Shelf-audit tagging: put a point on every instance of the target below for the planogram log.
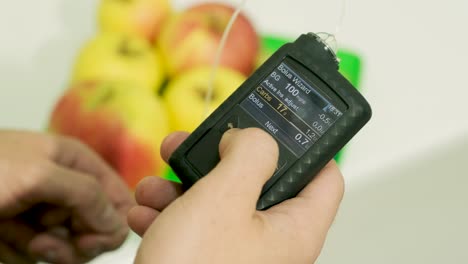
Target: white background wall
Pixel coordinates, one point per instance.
(415, 55)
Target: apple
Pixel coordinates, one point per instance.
(191, 39)
(118, 57)
(143, 18)
(185, 95)
(123, 124)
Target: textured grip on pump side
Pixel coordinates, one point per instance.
(357, 115)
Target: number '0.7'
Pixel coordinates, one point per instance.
(299, 138)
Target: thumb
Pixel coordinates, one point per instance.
(248, 159)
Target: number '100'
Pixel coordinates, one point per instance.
(292, 90)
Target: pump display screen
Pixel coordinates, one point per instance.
(291, 108)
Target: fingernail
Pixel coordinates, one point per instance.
(233, 130)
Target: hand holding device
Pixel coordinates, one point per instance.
(216, 220)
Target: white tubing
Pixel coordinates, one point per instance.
(217, 59)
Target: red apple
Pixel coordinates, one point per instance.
(125, 126)
(191, 39)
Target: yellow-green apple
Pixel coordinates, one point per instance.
(118, 57)
(124, 125)
(135, 17)
(186, 94)
(191, 39)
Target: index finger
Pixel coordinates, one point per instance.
(171, 143)
(79, 192)
(158, 193)
(74, 155)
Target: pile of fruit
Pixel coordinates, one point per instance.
(146, 74)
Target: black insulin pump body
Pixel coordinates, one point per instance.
(299, 97)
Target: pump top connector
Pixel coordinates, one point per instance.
(329, 42)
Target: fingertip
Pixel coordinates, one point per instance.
(249, 158)
(329, 184)
(260, 136)
(141, 190)
(227, 140)
(319, 200)
(332, 177)
(52, 249)
(156, 192)
(140, 218)
(90, 245)
(171, 143)
(254, 145)
(132, 219)
(255, 138)
(322, 197)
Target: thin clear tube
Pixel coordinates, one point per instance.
(219, 53)
(329, 39)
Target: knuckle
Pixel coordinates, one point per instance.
(90, 194)
(50, 144)
(92, 186)
(37, 175)
(70, 142)
(74, 143)
(30, 182)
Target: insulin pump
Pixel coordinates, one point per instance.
(298, 97)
